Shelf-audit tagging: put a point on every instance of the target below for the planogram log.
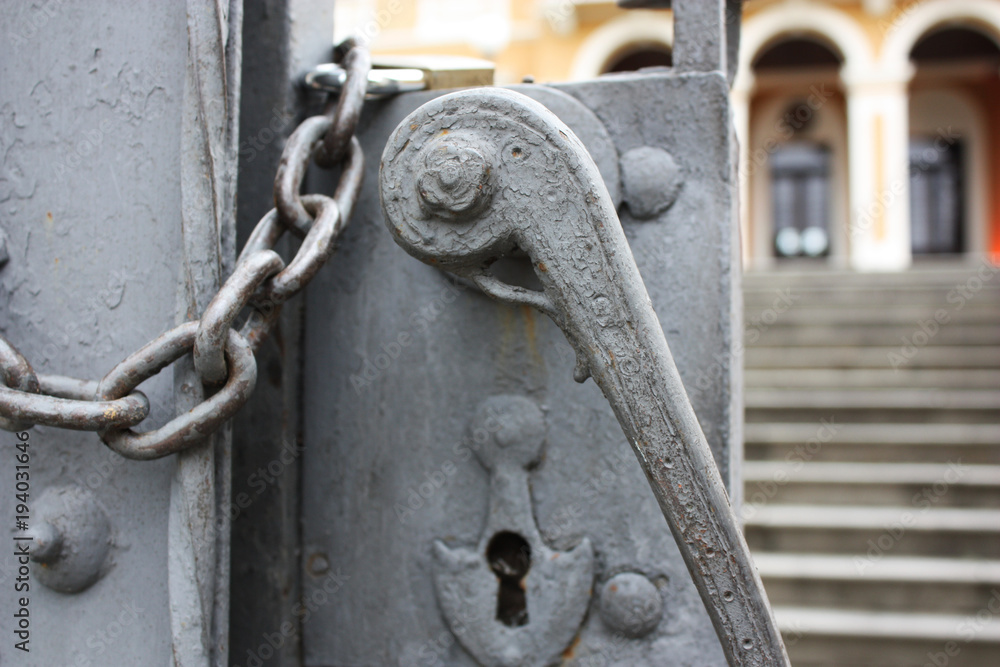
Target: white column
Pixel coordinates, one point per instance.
(740, 101)
(878, 171)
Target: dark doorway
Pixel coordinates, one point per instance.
(936, 196)
(800, 195)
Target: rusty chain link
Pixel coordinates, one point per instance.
(261, 282)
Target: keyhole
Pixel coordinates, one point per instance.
(509, 556)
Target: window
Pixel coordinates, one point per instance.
(936, 195)
(800, 192)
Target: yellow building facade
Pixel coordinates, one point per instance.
(868, 129)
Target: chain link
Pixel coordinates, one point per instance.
(261, 282)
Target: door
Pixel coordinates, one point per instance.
(936, 197)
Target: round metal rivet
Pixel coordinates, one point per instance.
(631, 604)
(72, 538)
(318, 564)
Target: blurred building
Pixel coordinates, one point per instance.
(868, 128)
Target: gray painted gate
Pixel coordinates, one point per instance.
(359, 467)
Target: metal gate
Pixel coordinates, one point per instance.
(417, 479)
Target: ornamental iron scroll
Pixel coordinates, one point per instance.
(479, 175)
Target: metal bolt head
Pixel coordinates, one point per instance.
(455, 181)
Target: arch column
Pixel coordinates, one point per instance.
(740, 99)
(878, 168)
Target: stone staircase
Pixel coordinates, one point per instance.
(872, 474)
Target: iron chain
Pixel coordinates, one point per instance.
(261, 282)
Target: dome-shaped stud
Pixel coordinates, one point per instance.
(631, 604)
(652, 180)
(71, 539)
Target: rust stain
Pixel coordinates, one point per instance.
(613, 588)
(529, 324)
(542, 267)
(444, 132)
(570, 651)
(531, 335)
(413, 126)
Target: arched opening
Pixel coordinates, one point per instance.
(797, 151)
(638, 56)
(953, 149)
(637, 39)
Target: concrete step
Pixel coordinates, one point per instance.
(809, 315)
(875, 399)
(872, 479)
(874, 378)
(920, 585)
(887, 357)
(867, 335)
(847, 638)
(868, 443)
(955, 484)
(935, 295)
(757, 301)
(871, 416)
(873, 405)
(939, 277)
(872, 532)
